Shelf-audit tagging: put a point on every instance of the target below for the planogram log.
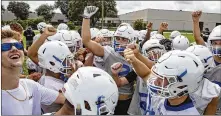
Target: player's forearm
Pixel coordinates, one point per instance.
(60, 99)
(89, 60)
(196, 33)
(147, 37)
(33, 50)
(141, 69)
(160, 31)
(212, 107)
(86, 35)
(145, 60)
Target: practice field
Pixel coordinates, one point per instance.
(166, 34)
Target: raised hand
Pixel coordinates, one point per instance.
(134, 47)
(196, 15)
(90, 11)
(129, 55)
(50, 30)
(164, 26)
(149, 26)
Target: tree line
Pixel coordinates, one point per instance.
(72, 9)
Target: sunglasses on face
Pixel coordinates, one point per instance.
(8, 46)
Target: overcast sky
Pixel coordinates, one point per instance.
(129, 6)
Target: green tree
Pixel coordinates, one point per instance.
(63, 6)
(46, 11)
(139, 24)
(76, 8)
(20, 9)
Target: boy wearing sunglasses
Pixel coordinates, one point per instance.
(21, 96)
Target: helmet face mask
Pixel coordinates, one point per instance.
(67, 65)
(159, 85)
(120, 44)
(154, 54)
(216, 47)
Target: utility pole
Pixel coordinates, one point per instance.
(102, 12)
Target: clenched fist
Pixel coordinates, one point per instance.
(164, 26)
(196, 15)
(149, 26)
(116, 68)
(50, 30)
(129, 55)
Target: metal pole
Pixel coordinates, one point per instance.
(102, 14)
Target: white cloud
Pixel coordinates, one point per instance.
(130, 6)
(34, 4)
(205, 6)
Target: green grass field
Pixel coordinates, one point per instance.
(189, 36)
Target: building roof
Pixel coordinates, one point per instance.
(59, 16)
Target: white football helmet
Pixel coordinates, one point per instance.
(180, 43)
(153, 33)
(94, 32)
(176, 73)
(107, 35)
(126, 32)
(157, 36)
(91, 91)
(41, 26)
(62, 26)
(204, 54)
(31, 65)
(76, 38)
(142, 34)
(104, 33)
(56, 57)
(64, 36)
(153, 50)
(214, 36)
(174, 34)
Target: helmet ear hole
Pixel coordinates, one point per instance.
(52, 63)
(87, 105)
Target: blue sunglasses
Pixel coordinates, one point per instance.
(8, 46)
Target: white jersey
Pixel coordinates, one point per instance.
(185, 109)
(205, 93)
(110, 57)
(98, 62)
(141, 101)
(36, 95)
(54, 84)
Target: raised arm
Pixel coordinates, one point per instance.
(94, 47)
(139, 56)
(33, 49)
(196, 28)
(147, 37)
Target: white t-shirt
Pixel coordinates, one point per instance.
(36, 95)
(54, 84)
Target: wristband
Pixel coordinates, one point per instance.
(85, 17)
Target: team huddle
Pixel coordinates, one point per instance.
(103, 72)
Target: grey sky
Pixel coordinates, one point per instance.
(129, 6)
